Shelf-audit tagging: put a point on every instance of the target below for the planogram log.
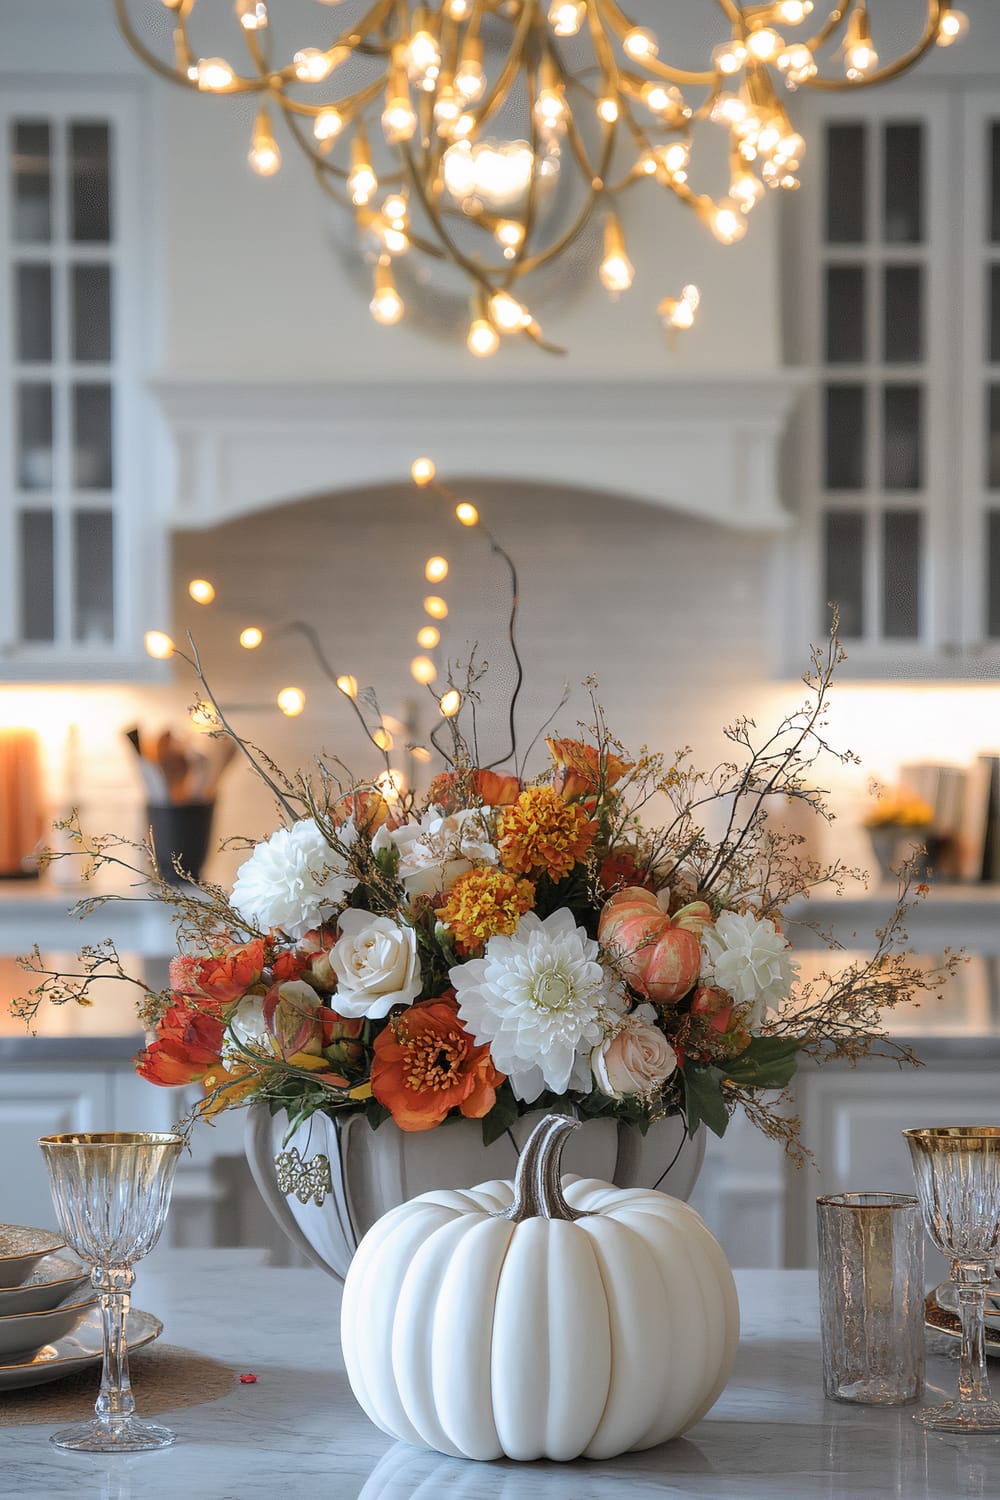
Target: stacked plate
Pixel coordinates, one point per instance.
(50, 1321)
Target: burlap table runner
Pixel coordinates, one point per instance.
(164, 1377)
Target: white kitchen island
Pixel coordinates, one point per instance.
(297, 1433)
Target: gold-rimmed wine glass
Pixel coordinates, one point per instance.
(111, 1192)
(957, 1168)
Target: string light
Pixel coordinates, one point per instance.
(382, 738)
(466, 513)
(422, 471)
(484, 135)
(436, 569)
(201, 591)
(435, 606)
(348, 686)
(428, 636)
(422, 669)
(158, 644)
(251, 637)
(450, 703)
(390, 783)
(291, 701)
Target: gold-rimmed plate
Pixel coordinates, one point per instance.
(21, 1249)
(53, 1280)
(83, 1347)
(943, 1320)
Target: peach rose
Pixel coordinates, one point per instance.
(636, 1058)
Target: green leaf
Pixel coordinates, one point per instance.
(768, 1063)
(501, 1117)
(376, 1113)
(703, 1099)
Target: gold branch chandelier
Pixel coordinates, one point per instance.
(455, 129)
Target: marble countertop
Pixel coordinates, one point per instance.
(297, 1433)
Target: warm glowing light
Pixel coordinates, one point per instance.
(507, 313)
(607, 110)
(658, 98)
(494, 173)
(201, 591)
(214, 75)
(450, 703)
(361, 180)
(953, 25)
(422, 669)
(678, 312)
(387, 305)
(764, 44)
(203, 717)
(459, 10)
(727, 221)
(348, 686)
(640, 43)
(729, 57)
(423, 60)
(421, 753)
(466, 513)
(390, 783)
(616, 270)
(251, 637)
(436, 569)
(675, 157)
(428, 636)
(422, 471)
(436, 607)
(251, 14)
(470, 79)
(509, 235)
(158, 644)
(566, 16)
(328, 124)
(483, 339)
(264, 156)
(794, 11)
(291, 701)
(395, 209)
(382, 738)
(399, 119)
(312, 65)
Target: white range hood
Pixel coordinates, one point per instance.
(706, 447)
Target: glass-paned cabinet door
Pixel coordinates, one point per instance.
(864, 249)
(981, 367)
(70, 259)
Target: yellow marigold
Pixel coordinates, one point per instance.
(482, 904)
(542, 832)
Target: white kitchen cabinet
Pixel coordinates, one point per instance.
(82, 566)
(43, 1103)
(893, 255)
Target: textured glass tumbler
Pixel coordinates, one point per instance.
(957, 1168)
(871, 1297)
(111, 1193)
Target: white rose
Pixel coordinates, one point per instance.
(247, 1029)
(636, 1058)
(436, 851)
(376, 965)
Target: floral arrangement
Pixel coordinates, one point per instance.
(573, 939)
(507, 942)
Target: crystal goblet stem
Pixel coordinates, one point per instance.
(957, 1169)
(111, 1192)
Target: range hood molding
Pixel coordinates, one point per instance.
(705, 447)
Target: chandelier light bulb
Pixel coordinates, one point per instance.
(566, 16)
(448, 107)
(550, 109)
(798, 65)
(953, 26)
(387, 306)
(291, 701)
(450, 703)
(860, 57)
(201, 591)
(640, 43)
(251, 637)
(393, 239)
(746, 189)
(361, 182)
(676, 156)
(658, 98)
(422, 56)
(470, 79)
(395, 210)
(616, 270)
(509, 234)
(466, 513)
(435, 606)
(436, 569)
(428, 636)
(727, 221)
(483, 339)
(792, 12)
(158, 644)
(264, 156)
(312, 64)
(507, 313)
(607, 110)
(459, 10)
(328, 124)
(422, 471)
(765, 44)
(399, 120)
(348, 685)
(729, 57)
(214, 75)
(251, 14)
(422, 669)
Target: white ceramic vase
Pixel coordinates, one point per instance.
(328, 1182)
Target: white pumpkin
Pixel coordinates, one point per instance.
(511, 1320)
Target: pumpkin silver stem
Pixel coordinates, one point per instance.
(538, 1181)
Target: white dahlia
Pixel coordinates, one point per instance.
(537, 998)
(294, 879)
(748, 958)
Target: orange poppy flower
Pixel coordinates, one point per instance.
(188, 1044)
(453, 789)
(426, 1064)
(580, 768)
(228, 975)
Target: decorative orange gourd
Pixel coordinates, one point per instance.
(660, 955)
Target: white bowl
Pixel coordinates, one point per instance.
(21, 1249)
(24, 1333)
(51, 1282)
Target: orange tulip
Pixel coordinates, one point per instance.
(228, 975)
(188, 1044)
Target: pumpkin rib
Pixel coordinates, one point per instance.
(461, 1356)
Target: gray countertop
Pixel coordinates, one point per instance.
(297, 1432)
